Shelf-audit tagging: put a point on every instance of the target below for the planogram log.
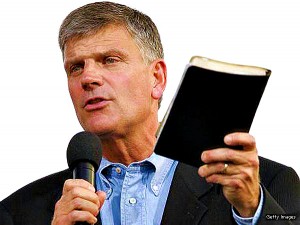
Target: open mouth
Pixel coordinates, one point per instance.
(94, 101)
(95, 104)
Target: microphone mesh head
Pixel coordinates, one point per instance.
(84, 147)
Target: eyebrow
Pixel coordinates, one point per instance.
(100, 55)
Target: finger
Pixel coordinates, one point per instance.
(73, 217)
(82, 216)
(84, 205)
(234, 177)
(224, 155)
(102, 197)
(74, 188)
(67, 204)
(71, 183)
(240, 139)
(234, 181)
(82, 193)
(215, 168)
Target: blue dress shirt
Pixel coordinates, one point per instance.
(137, 194)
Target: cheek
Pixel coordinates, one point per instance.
(137, 91)
(74, 92)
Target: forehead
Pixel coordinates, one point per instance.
(110, 36)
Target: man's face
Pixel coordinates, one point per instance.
(109, 83)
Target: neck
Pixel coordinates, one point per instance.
(136, 145)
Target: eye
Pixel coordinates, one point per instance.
(111, 60)
(76, 68)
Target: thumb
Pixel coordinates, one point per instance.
(102, 197)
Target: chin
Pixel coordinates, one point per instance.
(98, 127)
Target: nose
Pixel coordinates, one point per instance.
(91, 77)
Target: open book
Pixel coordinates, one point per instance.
(213, 99)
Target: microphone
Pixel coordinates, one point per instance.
(84, 154)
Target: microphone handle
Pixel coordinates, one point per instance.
(85, 171)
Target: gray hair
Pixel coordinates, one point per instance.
(90, 18)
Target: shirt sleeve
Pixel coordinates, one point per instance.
(250, 220)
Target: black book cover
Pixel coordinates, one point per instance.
(208, 105)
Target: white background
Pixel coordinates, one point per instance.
(37, 118)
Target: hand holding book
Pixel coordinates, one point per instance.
(216, 100)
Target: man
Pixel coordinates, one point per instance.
(113, 58)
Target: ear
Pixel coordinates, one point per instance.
(159, 72)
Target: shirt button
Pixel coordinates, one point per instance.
(155, 187)
(132, 201)
(118, 170)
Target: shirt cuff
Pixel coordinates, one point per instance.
(250, 220)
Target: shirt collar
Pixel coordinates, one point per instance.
(162, 168)
(161, 164)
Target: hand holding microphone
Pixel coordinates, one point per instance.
(79, 203)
